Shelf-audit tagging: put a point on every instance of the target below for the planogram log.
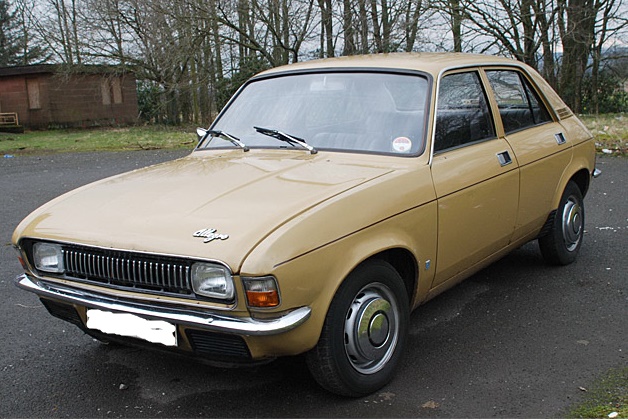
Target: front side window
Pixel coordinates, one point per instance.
(372, 112)
(519, 105)
(463, 115)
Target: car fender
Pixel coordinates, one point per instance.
(579, 169)
(305, 282)
(344, 232)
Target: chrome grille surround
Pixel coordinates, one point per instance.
(128, 269)
(134, 271)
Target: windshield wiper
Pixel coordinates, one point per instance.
(279, 135)
(223, 135)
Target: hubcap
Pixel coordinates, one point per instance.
(572, 224)
(371, 328)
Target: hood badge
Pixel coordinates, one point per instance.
(210, 235)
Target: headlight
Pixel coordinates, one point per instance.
(48, 257)
(212, 281)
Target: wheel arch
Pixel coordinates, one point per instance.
(582, 179)
(580, 174)
(405, 263)
(365, 328)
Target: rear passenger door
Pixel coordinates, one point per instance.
(475, 177)
(540, 145)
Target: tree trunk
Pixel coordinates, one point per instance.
(327, 25)
(577, 35)
(455, 11)
(347, 27)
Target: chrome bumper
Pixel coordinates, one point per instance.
(209, 321)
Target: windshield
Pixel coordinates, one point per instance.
(349, 111)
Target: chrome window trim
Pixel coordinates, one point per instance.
(480, 67)
(368, 69)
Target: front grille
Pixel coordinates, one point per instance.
(128, 269)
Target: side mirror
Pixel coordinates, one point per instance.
(200, 133)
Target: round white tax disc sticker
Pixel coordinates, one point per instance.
(402, 144)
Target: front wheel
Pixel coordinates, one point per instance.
(364, 332)
(561, 245)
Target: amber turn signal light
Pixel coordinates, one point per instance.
(20, 257)
(261, 292)
(263, 299)
(21, 260)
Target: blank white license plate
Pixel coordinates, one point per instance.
(129, 325)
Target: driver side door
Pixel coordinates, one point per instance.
(475, 176)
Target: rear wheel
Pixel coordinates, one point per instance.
(364, 332)
(561, 245)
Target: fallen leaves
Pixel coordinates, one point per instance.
(431, 405)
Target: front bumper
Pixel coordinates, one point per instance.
(208, 321)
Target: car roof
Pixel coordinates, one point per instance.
(430, 63)
(433, 63)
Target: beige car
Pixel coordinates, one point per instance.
(326, 201)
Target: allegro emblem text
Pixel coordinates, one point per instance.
(210, 235)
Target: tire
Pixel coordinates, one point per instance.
(364, 333)
(561, 244)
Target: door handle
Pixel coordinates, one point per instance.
(504, 158)
(560, 138)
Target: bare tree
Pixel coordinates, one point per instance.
(510, 25)
(30, 48)
(194, 53)
(545, 12)
(108, 32)
(612, 19)
(454, 13)
(576, 21)
(327, 29)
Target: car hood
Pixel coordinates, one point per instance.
(173, 207)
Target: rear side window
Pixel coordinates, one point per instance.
(519, 104)
(463, 115)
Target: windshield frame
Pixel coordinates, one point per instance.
(203, 146)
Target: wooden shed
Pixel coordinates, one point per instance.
(53, 96)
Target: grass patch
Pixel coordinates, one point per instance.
(86, 140)
(608, 395)
(610, 132)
